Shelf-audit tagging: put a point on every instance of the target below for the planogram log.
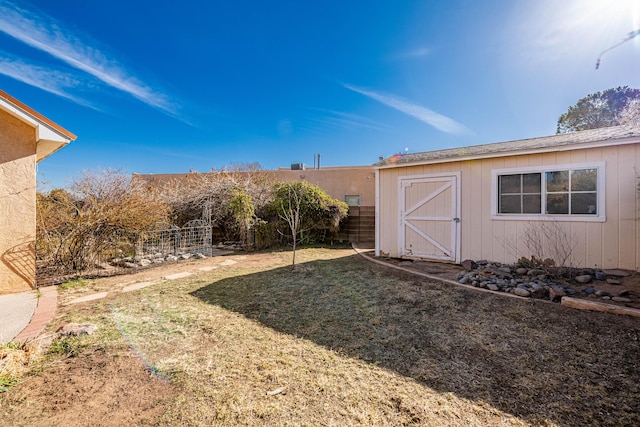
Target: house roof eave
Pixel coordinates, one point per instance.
(50, 137)
(623, 135)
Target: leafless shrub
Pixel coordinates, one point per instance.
(101, 211)
(549, 240)
(209, 197)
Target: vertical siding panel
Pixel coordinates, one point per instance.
(465, 215)
(491, 230)
(610, 244)
(578, 156)
(476, 209)
(627, 201)
(535, 159)
(593, 242)
(394, 227)
(563, 157)
(509, 241)
(383, 200)
(389, 211)
(522, 247)
(548, 159)
(637, 205)
(577, 233)
(385, 197)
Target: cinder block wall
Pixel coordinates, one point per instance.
(360, 226)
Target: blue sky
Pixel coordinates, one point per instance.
(166, 86)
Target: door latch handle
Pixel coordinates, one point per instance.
(456, 219)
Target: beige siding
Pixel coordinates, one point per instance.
(17, 204)
(613, 243)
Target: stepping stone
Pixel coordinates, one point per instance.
(219, 252)
(137, 286)
(208, 268)
(228, 262)
(177, 275)
(92, 297)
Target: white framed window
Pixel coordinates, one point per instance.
(569, 192)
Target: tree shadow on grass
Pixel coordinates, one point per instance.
(540, 362)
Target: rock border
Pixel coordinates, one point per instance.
(539, 283)
(565, 301)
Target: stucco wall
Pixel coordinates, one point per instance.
(337, 182)
(613, 243)
(17, 205)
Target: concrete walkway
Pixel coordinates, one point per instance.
(16, 311)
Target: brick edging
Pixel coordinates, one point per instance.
(46, 308)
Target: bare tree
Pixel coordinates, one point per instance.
(290, 210)
(631, 114)
(306, 208)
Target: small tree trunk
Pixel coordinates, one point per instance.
(293, 262)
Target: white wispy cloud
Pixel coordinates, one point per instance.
(52, 81)
(438, 121)
(343, 120)
(46, 34)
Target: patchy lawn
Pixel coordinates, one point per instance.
(339, 341)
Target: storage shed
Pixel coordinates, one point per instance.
(570, 197)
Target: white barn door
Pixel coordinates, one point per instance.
(430, 216)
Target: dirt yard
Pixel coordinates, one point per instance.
(338, 341)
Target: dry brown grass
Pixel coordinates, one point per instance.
(341, 341)
(15, 361)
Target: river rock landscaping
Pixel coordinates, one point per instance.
(547, 283)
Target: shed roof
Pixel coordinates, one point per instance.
(563, 142)
(50, 137)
